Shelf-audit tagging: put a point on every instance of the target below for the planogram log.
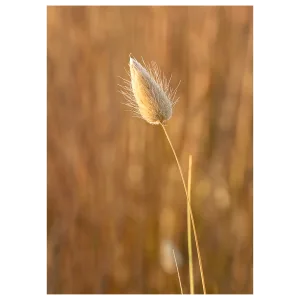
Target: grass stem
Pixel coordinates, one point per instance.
(190, 211)
(178, 273)
(190, 249)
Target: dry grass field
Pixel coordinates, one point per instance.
(115, 201)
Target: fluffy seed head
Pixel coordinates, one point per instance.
(148, 93)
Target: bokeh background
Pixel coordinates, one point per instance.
(116, 205)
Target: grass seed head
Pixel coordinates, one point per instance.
(148, 93)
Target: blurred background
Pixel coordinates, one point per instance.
(116, 206)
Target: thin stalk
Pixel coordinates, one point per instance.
(190, 210)
(190, 249)
(178, 273)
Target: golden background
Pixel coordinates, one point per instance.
(116, 204)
